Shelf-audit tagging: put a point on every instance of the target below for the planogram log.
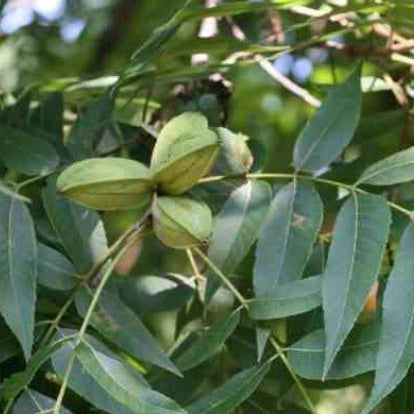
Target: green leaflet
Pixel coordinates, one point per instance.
(122, 386)
(231, 394)
(291, 299)
(359, 236)
(119, 324)
(79, 230)
(332, 127)
(262, 336)
(396, 347)
(181, 222)
(208, 343)
(236, 228)
(54, 270)
(286, 239)
(9, 346)
(26, 153)
(356, 356)
(397, 168)
(82, 383)
(48, 116)
(18, 270)
(19, 381)
(239, 7)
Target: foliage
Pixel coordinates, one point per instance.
(200, 229)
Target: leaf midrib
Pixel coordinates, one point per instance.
(9, 252)
(286, 239)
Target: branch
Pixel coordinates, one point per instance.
(287, 83)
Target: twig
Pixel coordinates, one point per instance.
(404, 101)
(85, 324)
(273, 72)
(348, 187)
(196, 271)
(92, 273)
(222, 277)
(301, 388)
(244, 303)
(287, 83)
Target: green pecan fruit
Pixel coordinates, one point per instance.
(181, 221)
(107, 183)
(234, 156)
(184, 152)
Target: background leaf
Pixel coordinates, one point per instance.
(359, 236)
(89, 127)
(25, 153)
(232, 393)
(18, 270)
(148, 294)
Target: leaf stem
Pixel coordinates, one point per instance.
(300, 386)
(348, 187)
(196, 271)
(274, 343)
(95, 269)
(222, 277)
(86, 321)
(32, 180)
